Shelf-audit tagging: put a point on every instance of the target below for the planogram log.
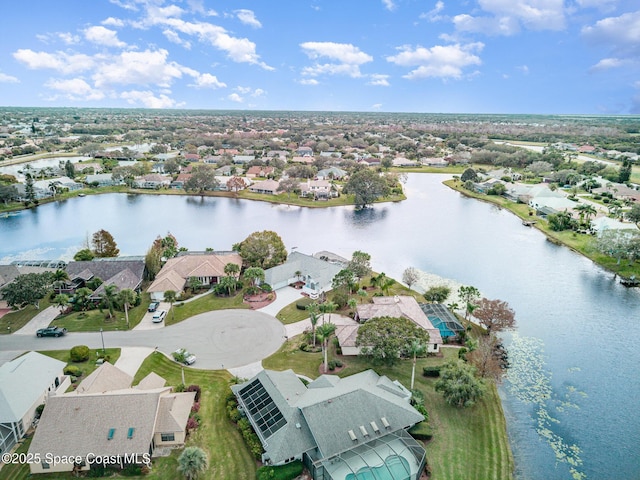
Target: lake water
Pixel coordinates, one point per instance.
(574, 388)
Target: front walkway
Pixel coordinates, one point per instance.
(131, 358)
(284, 296)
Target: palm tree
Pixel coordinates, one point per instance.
(81, 297)
(324, 331)
(171, 296)
(255, 275)
(228, 284)
(127, 297)
(232, 270)
(378, 280)
(327, 307)
(59, 279)
(352, 303)
(313, 309)
(194, 283)
(387, 284)
(415, 349)
(362, 293)
(109, 297)
(61, 301)
(192, 462)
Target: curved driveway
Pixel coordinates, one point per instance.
(220, 339)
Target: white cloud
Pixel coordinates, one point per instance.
(524, 69)
(379, 80)
(349, 57)
(68, 38)
(434, 14)
(149, 67)
(75, 89)
(103, 36)
(248, 17)
(206, 80)
(603, 5)
(441, 61)
(243, 90)
(4, 78)
(113, 22)
(309, 81)
(234, 97)
(173, 37)
(126, 4)
(389, 5)
(148, 99)
(507, 17)
(376, 106)
(258, 92)
(621, 32)
(61, 61)
(609, 63)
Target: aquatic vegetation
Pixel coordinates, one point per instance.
(530, 382)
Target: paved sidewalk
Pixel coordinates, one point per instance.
(41, 320)
(131, 358)
(246, 371)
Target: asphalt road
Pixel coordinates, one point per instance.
(220, 339)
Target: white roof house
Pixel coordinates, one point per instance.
(24, 384)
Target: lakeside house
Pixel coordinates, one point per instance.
(338, 427)
(107, 417)
(25, 383)
(268, 187)
(207, 268)
(315, 275)
(123, 272)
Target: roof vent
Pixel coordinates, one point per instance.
(364, 431)
(352, 435)
(385, 422)
(297, 425)
(112, 432)
(374, 425)
(130, 433)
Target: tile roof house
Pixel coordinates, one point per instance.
(206, 267)
(316, 274)
(128, 423)
(25, 383)
(339, 427)
(259, 171)
(400, 306)
(331, 173)
(269, 187)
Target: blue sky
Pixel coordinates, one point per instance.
(469, 56)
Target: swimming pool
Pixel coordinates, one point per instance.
(395, 468)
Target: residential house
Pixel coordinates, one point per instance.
(402, 306)
(435, 162)
(153, 181)
(226, 170)
(102, 180)
(404, 162)
(181, 180)
(304, 151)
(207, 268)
(370, 161)
(318, 189)
(331, 154)
(192, 157)
(282, 154)
(111, 419)
(339, 427)
(26, 383)
(260, 171)
(541, 196)
(308, 160)
(123, 272)
(500, 173)
(331, 173)
(269, 187)
(244, 159)
(212, 159)
(314, 274)
(601, 224)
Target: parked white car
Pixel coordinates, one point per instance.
(183, 356)
(158, 316)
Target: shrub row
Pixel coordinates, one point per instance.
(333, 364)
(431, 371)
(250, 438)
(282, 472)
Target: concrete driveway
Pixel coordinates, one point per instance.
(220, 339)
(41, 320)
(284, 296)
(147, 324)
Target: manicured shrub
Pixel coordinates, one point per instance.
(431, 371)
(39, 410)
(79, 353)
(195, 388)
(265, 287)
(302, 303)
(195, 408)
(340, 299)
(72, 370)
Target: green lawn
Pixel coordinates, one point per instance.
(90, 365)
(14, 321)
(229, 459)
(91, 321)
(468, 443)
(183, 310)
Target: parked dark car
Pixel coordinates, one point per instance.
(153, 306)
(51, 332)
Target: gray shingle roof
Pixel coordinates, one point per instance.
(320, 271)
(107, 269)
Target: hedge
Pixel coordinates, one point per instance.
(80, 353)
(431, 371)
(302, 304)
(282, 472)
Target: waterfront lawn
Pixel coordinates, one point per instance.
(14, 321)
(229, 458)
(206, 303)
(467, 443)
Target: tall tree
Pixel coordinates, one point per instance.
(367, 186)
(415, 349)
(489, 358)
(633, 215)
(437, 294)
(60, 277)
(255, 275)
(344, 280)
(109, 297)
(384, 339)
(314, 310)
(236, 184)
(27, 289)
(171, 296)
(127, 298)
(289, 186)
(104, 245)
(61, 301)
(468, 294)
(192, 462)
(263, 249)
(29, 189)
(495, 315)
(410, 276)
(459, 384)
(325, 331)
(232, 270)
(81, 298)
(202, 179)
(360, 264)
(84, 255)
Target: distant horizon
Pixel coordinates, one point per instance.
(522, 57)
(380, 112)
